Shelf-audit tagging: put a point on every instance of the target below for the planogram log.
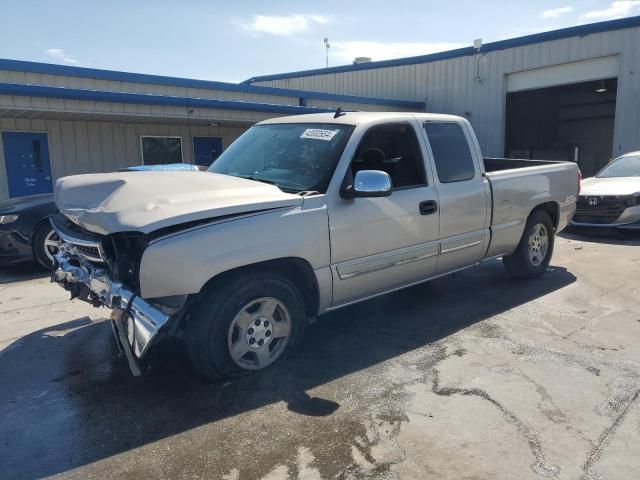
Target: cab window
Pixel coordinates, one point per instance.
(392, 148)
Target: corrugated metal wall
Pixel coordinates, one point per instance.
(151, 89)
(89, 146)
(133, 87)
(58, 106)
(450, 86)
(100, 136)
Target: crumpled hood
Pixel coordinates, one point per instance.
(107, 203)
(610, 186)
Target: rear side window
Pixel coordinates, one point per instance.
(451, 153)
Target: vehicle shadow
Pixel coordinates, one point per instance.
(22, 272)
(67, 401)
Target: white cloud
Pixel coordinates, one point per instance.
(60, 55)
(556, 12)
(281, 25)
(347, 51)
(618, 9)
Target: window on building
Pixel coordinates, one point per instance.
(161, 150)
(451, 153)
(394, 149)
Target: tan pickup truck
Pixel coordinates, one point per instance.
(299, 216)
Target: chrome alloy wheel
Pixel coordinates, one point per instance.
(538, 244)
(51, 244)
(259, 333)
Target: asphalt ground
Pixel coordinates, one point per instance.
(473, 375)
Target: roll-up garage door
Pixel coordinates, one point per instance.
(587, 70)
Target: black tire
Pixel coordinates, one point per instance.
(39, 249)
(519, 263)
(213, 313)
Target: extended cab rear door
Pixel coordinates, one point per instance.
(378, 244)
(463, 192)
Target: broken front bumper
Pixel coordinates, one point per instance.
(136, 322)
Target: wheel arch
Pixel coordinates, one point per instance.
(37, 226)
(552, 208)
(298, 270)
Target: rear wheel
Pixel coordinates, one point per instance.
(533, 254)
(245, 325)
(45, 245)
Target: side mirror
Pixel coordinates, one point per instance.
(370, 183)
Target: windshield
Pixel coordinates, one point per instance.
(295, 157)
(622, 167)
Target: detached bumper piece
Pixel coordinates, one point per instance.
(136, 322)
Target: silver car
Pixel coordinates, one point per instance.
(611, 199)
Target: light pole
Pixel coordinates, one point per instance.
(326, 49)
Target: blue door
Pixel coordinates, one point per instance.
(206, 150)
(26, 158)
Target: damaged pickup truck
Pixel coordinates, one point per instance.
(300, 216)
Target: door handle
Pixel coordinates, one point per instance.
(428, 207)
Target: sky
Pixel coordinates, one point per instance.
(235, 40)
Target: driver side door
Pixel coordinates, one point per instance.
(383, 243)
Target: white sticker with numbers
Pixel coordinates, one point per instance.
(319, 134)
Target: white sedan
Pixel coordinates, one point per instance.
(612, 197)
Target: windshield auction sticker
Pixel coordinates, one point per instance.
(319, 134)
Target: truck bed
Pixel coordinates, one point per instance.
(517, 187)
(492, 164)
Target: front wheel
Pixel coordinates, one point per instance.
(245, 325)
(533, 254)
(45, 245)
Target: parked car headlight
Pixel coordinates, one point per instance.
(4, 219)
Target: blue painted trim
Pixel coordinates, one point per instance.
(146, 99)
(82, 72)
(579, 31)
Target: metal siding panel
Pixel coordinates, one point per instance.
(68, 143)
(120, 144)
(7, 123)
(6, 103)
(627, 117)
(57, 158)
(132, 145)
(106, 147)
(95, 148)
(71, 105)
(38, 125)
(499, 110)
(17, 77)
(21, 102)
(81, 136)
(23, 124)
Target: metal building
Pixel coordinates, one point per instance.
(59, 120)
(566, 94)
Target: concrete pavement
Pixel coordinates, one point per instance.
(470, 376)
